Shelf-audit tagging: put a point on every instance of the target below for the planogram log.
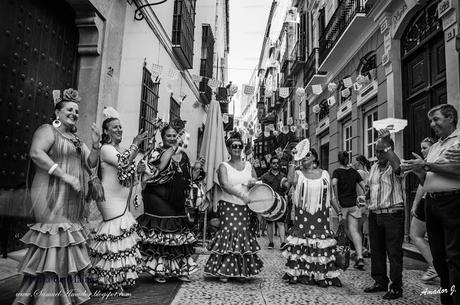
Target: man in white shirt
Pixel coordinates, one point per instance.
(440, 176)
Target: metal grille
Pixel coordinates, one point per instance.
(149, 101)
(174, 110)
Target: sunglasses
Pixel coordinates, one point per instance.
(236, 146)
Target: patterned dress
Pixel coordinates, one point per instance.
(168, 246)
(114, 250)
(310, 245)
(57, 259)
(234, 247)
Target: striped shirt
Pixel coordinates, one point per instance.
(386, 188)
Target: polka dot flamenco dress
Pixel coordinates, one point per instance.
(234, 247)
(310, 246)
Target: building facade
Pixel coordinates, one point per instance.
(110, 51)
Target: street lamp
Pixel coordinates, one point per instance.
(138, 13)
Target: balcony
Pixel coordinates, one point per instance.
(183, 31)
(298, 57)
(205, 92)
(312, 74)
(343, 32)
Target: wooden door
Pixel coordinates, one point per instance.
(38, 53)
(424, 84)
(324, 157)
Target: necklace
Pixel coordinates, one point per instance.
(75, 140)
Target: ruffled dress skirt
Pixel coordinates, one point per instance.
(234, 247)
(168, 246)
(310, 248)
(115, 254)
(55, 264)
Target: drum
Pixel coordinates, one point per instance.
(262, 198)
(267, 202)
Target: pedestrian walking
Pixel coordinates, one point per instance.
(168, 246)
(440, 176)
(418, 225)
(362, 165)
(114, 249)
(57, 259)
(310, 246)
(345, 179)
(278, 182)
(234, 247)
(386, 219)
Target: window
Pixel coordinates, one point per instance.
(207, 51)
(342, 87)
(347, 136)
(183, 31)
(324, 110)
(174, 110)
(321, 21)
(370, 134)
(149, 101)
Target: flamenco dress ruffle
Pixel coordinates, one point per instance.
(115, 254)
(54, 265)
(310, 248)
(168, 246)
(234, 247)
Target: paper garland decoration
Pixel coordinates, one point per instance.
(292, 15)
(304, 126)
(362, 80)
(347, 82)
(346, 93)
(316, 108)
(196, 78)
(268, 92)
(266, 134)
(331, 101)
(276, 133)
(268, 157)
(172, 74)
(317, 89)
(248, 90)
(357, 86)
(332, 87)
(213, 83)
(280, 125)
(293, 128)
(284, 92)
(290, 121)
(267, 129)
(285, 129)
(300, 92)
(225, 118)
(233, 89)
(271, 127)
(302, 115)
(156, 70)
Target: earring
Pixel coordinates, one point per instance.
(56, 123)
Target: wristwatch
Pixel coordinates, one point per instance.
(427, 167)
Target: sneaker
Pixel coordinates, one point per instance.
(271, 245)
(392, 294)
(375, 288)
(359, 264)
(429, 275)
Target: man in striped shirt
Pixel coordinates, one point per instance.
(386, 219)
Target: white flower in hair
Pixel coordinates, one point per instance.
(110, 112)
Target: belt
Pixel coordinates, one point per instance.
(444, 194)
(388, 211)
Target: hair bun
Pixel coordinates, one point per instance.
(235, 135)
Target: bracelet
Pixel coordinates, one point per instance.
(135, 146)
(52, 168)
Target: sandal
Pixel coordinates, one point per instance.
(184, 279)
(122, 293)
(223, 279)
(159, 280)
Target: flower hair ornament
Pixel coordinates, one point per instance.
(110, 113)
(68, 95)
(301, 150)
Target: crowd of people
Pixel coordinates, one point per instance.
(62, 256)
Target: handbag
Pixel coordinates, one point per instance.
(95, 188)
(342, 255)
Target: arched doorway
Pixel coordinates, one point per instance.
(423, 80)
(38, 53)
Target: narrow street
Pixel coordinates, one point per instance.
(267, 288)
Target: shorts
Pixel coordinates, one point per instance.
(353, 211)
(420, 211)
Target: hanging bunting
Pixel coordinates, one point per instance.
(266, 134)
(272, 102)
(293, 128)
(225, 118)
(304, 126)
(276, 133)
(362, 79)
(213, 83)
(280, 125)
(290, 121)
(268, 157)
(156, 70)
(271, 127)
(233, 89)
(302, 115)
(248, 90)
(372, 74)
(332, 87)
(285, 129)
(196, 78)
(268, 92)
(256, 163)
(284, 92)
(267, 129)
(300, 92)
(316, 109)
(317, 89)
(346, 93)
(347, 82)
(357, 86)
(331, 101)
(292, 15)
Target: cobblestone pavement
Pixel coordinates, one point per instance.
(268, 288)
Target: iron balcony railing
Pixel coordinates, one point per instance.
(339, 21)
(312, 65)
